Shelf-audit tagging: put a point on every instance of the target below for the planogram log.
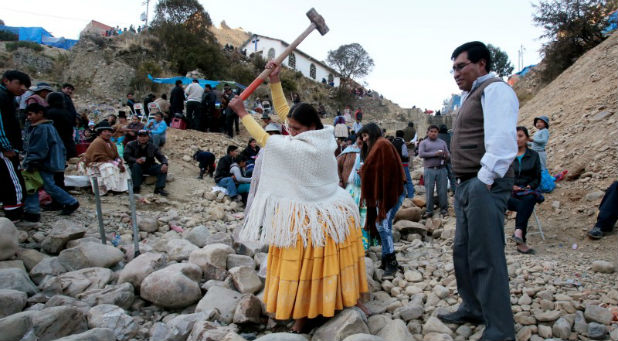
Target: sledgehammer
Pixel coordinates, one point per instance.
(317, 22)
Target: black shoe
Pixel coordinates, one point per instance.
(427, 215)
(460, 318)
(14, 215)
(68, 209)
(161, 191)
(136, 190)
(54, 206)
(32, 217)
(595, 233)
(391, 267)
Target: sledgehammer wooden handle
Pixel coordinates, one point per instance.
(317, 22)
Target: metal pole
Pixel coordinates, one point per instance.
(133, 219)
(97, 197)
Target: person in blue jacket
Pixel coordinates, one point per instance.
(157, 127)
(45, 153)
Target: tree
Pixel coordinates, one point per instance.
(350, 61)
(181, 11)
(572, 27)
(500, 62)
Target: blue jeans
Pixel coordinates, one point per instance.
(57, 193)
(385, 228)
(229, 184)
(409, 184)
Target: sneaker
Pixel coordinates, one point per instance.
(161, 191)
(31, 217)
(68, 209)
(595, 233)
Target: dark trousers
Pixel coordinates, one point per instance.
(451, 176)
(608, 211)
(524, 206)
(193, 114)
(205, 120)
(231, 119)
(13, 188)
(478, 255)
(138, 171)
(59, 180)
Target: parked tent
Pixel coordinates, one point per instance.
(39, 35)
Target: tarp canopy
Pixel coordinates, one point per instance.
(613, 23)
(187, 80)
(39, 35)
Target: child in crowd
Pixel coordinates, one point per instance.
(539, 140)
(207, 162)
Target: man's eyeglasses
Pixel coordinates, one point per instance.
(459, 67)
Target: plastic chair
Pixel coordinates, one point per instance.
(538, 225)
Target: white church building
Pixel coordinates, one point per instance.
(310, 67)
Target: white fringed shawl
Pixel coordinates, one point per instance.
(298, 193)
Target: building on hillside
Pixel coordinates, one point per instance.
(95, 27)
(310, 67)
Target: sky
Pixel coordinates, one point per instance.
(410, 41)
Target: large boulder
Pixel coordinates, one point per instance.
(411, 214)
(12, 301)
(113, 317)
(43, 325)
(17, 279)
(121, 295)
(62, 231)
(8, 239)
(213, 254)
(96, 334)
(62, 300)
(30, 257)
(175, 286)
(137, 269)
(49, 266)
(15, 327)
(348, 322)
(198, 235)
(246, 280)
(75, 282)
(240, 260)
(407, 227)
(90, 254)
(595, 313)
(179, 249)
(147, 224)
(222, 299)
(395, 330)
(248, 310)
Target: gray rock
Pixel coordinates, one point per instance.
(180, 249)
(62, 300)
(603, 267)
(562, 328)
(209, 331)
(90, 254)
(595, 195)
(283, 337)
(198, 235)
(547, 316)
(434, 325)
(96, 334)
(17, 279)
(113, 317)
(220, 238)
(580, 324)
(12, 264)
(247, 248)
(437, 337)
(348, 322)
(49, 266)
(239, 260)
(16, 326)
(601, 115)
(137, 269)
(30, 257)
(12, 301)
(213, 255)
(594, 313)
(377, 322)
(175, 286)
(545, 331)
(408, 227)
(248, 310)
(76, 282)
(246, 280)
(225, 300)
(62, 231)
(53, 323)
(147, 224)
(363, 337)
(8, 239)
(597, 331)
(395, 330)
(411, 311)
(121, 295)
(176, 329)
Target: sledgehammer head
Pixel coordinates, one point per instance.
(317, 19)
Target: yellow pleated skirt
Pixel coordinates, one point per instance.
(307, 281)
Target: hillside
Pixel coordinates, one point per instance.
(227, 35)
(581, 104)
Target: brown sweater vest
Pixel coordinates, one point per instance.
(468, 141)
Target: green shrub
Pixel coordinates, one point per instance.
(141, 82)
(14, 45)
(8, 36)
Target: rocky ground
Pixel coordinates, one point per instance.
(194, 281)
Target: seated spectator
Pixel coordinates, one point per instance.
(90, 133)
(46, 154)
(207, 162)
(242, 181)
(104, 163)
(527, 166)
(140, 156)
(110, 120)
(223, 176)
(132, 129)
(157, 128)
(608, 213)
(251, 151)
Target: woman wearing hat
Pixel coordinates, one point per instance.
(104, 162)
(540, 138)
(316, 260)
(41, 90)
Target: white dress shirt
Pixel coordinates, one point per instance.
(500, 110)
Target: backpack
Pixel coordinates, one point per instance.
(548, 182)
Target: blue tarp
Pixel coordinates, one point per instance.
(187, 80)
(613, 23)
(525, 70)
(39, 35)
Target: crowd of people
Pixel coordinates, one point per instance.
(318, 195)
